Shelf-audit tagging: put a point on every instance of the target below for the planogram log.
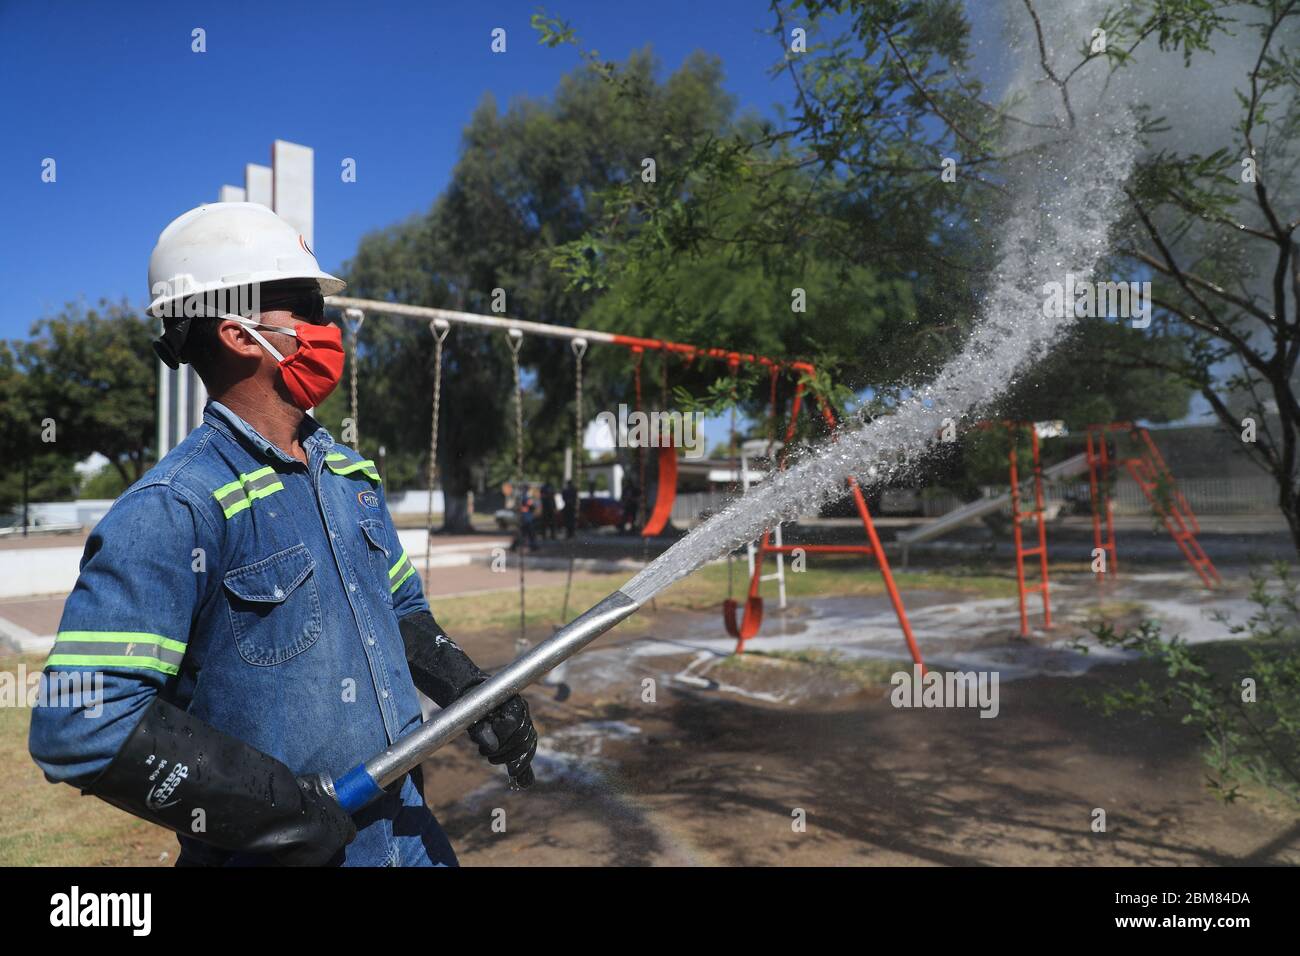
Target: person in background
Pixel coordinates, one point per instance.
(570, 496)
(548, 510)
(631, 505)
(528, 517)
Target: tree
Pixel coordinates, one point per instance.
(895, 158)
(845, 188)
(1217, 229)
(90, 385)
(37, 470)
(527, 180)
(14, 424)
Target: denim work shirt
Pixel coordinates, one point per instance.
(262, 595)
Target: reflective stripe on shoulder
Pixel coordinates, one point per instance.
(244, 490)
(341, 464)
(116, 649)
(400, 571)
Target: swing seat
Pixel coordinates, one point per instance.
(750, 622)
(666, 493)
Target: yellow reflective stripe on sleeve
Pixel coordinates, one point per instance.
(398, 566)
(131, 637)
(136, 649)
(96, 660)
(400, 571)
(402, 580)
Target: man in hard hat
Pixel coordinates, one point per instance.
(253, 615)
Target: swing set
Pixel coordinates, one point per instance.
(743, 624)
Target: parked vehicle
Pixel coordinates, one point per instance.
(599, 513)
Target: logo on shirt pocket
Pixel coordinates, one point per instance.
(369, 499)
(275, 610)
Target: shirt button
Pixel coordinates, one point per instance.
(384, 694)
(370, 641)
(352, 587)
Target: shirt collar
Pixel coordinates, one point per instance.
(313, 435)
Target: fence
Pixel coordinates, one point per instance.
(691, 508)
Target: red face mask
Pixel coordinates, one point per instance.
(312, 372)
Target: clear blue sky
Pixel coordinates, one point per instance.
(143, 129)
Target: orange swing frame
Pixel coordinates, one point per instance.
(1152, 475)
(749, 623)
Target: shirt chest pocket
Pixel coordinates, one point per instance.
(275, 608)
(382, 560)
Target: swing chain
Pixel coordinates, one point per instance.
(640, 449)
(516, 339)
(579, 347)
(440, 328)
(734, 364)
(771, 427)
(353, 319)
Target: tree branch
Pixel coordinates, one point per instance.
(1047, 67)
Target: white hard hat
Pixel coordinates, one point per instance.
(225, 245)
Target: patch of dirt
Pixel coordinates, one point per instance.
(706, 775)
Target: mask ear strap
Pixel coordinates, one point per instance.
(249, 324)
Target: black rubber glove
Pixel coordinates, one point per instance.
(443, 672)
(439, 668)
(507, 736)
(178, 772)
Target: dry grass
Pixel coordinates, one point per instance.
(42, 824)
(704, 591)
(863, 671)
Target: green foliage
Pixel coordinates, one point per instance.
(13, 413)
(85, 382)
(1250, 744)
(841, 198)
(1216, 226)
(51, 476)
(528, 180)
(107, 482)
(845, 200)
(92, 371)
(551, 31)
(1186, 25)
